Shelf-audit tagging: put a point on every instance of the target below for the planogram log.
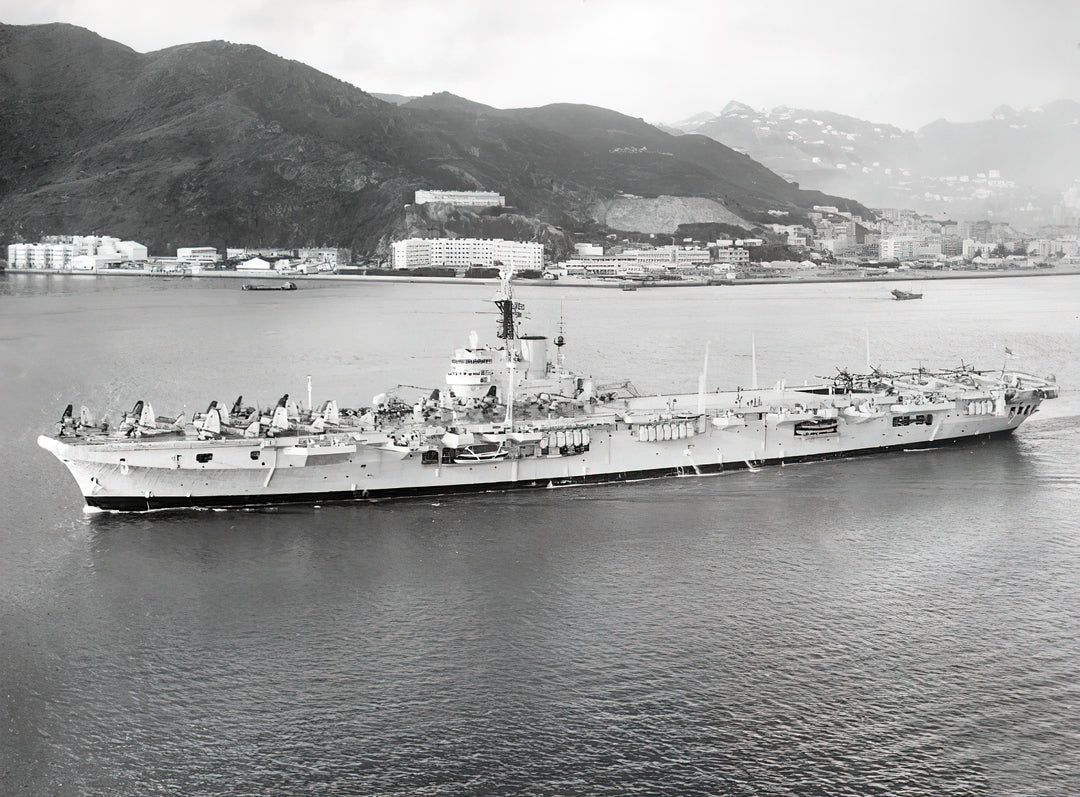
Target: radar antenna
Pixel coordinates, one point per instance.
(560, 340)
(509, 313)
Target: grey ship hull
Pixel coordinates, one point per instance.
(133, 503)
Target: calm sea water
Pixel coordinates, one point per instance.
(907, 624)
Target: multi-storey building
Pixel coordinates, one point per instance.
(466, 198)
(1043, 247)
(462, 253)
(197, 254)
(909, 247)
(951, 245)
(668, 256)
(972, 248)
(733, 255)
(40, 255)
(604, 266)
(62, 252)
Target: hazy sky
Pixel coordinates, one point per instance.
(905, 62)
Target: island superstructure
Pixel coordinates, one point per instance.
(511, 416)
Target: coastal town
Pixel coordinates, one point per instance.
(828, 244)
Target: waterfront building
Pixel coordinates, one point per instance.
(255, 264)
(659, 261)
(75, 252)
(733, 255)
(607, 266)
(669, 256)
(464, 198)
(132, 250)
(197, 254)
(463, 253)
(909, 247)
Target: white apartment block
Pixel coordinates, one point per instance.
(1043, 247)
(733, 255)
(900, 247)
(973, 248)
(692, 256)
(462, 253)
(74, 252)
(909, 247)
(44, 255)
(477, 199)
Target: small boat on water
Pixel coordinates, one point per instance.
(629, 286)
(285, 286)
(904, 295)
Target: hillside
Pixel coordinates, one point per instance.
(225, 144)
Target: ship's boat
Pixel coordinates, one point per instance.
(480, 452)
(817, 426)
(511, 417)
(903, 295)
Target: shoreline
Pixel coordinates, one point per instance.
(613, 283)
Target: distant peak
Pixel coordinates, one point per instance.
(1004, 112)
(736, 107)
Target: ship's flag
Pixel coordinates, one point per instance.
(1008, 352)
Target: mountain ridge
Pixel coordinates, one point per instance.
(226, 144)
(1035, 153)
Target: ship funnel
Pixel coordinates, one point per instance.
(474, 340)
(533, 356)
